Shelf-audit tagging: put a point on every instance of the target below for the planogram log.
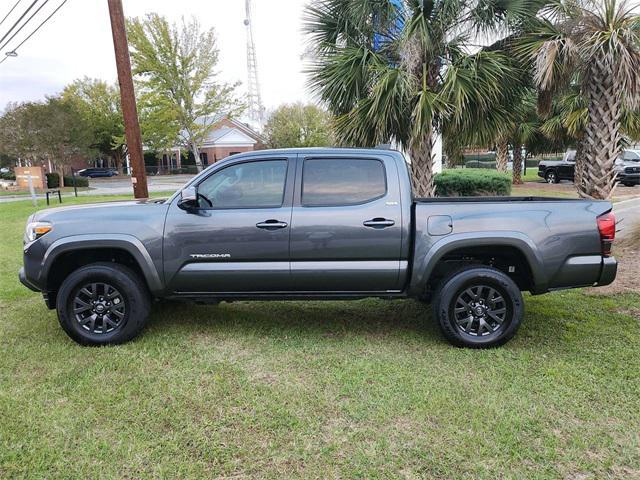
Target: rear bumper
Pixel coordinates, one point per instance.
(26, 282)
(608, 271)
(585, 271)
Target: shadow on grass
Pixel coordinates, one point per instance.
(311, 319)
(555, 322)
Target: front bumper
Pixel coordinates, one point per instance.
(25, 281)
(629, 178)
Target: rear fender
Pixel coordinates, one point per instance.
(424, 264)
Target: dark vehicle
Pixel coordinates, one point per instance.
(97, 172)
(627, 168)
(553, 171)
(314, 224)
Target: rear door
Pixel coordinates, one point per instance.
(566, 169)
(346, 224)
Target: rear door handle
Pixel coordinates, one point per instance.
(379, 223)
(272, 224)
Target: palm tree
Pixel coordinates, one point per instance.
(400, 69)
(597, 45)
(568, 120)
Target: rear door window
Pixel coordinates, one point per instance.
(335, 182)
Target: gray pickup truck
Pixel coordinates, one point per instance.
(314, 224)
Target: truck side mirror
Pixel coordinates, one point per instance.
(188, 198)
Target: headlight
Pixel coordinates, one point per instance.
(37, 229)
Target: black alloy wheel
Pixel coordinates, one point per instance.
(99, 308)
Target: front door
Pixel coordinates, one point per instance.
(238, 238)
(346, 227)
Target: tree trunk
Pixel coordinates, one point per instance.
(517, 164)
(602, 135)
(421, 152)
(578, 175)
(196, 155)
(502, 155)
(117, 159)
(61, 173)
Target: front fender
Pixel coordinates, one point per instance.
(125, 242)
(425, 262)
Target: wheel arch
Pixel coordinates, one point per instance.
(70, 253)
(484, 245)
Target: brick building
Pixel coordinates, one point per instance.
(226, 137)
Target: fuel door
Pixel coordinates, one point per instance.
(439, 225)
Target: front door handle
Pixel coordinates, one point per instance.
(379, 223)
(272, 224)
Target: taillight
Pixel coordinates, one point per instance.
(607, 229)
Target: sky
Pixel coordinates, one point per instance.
(77, 42)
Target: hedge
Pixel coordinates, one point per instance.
(469, 182)
(53, 180)
(7, 176)
(80, 181)
(531, 163)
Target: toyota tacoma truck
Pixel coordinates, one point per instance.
(314, 224)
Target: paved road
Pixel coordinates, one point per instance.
(627, 215)
(118, 186)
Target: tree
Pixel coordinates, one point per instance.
(178, 65)
(298, 125)
(50, 131)
(99, 105)
(596, 45)
(397, 70)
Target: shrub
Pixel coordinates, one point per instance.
(472, 182)
(8, 176)
(80, 181)
(53, 180)
(480, 164)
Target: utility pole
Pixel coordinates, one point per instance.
(128, 100)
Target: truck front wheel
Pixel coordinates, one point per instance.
(478, 307)
(103, 303)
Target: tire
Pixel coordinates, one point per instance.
(551, 177)
(501, 311)
(103, 304)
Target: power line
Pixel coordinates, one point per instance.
(10, 12)
(23, 25)
(37, 28)
(18, 21)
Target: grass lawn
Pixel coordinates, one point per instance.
(317, 390)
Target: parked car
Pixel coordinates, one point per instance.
(97, 172)
(553, 171)
(627, 168)
(314, 224)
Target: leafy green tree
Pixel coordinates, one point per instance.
(178, 64)
(158, 122)
(597, 46)
(392, 71)
(50, 131)
(298, 125)
(98, 103)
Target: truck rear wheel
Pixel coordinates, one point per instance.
(102, 304)
(478, 307)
